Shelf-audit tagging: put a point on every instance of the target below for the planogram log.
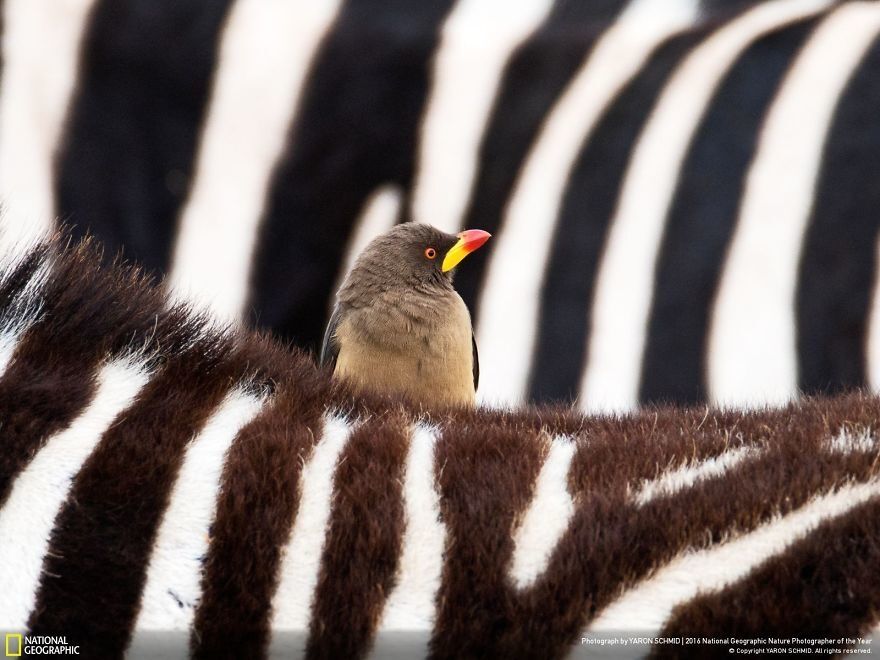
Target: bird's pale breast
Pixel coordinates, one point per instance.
(426, 356)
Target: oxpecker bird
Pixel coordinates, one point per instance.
(398, 325)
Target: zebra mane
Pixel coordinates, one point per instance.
(164, 472)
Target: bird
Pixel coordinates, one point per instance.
(398, 326)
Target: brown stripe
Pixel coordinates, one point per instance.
(362, 550)
(826, 585)
(486, 482)
(37, 400)
(794, 468)
(485, 476)
(96, 566)
(255, 512)
(611, 543)
(86, 314)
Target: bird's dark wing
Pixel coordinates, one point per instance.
(330, 347)
(476, 362)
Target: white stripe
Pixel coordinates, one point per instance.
(547, 517)
(674, 481)
(41, 44)
(379, 215)
(467, 72)
(752, 349)
(518, 258)
(625, 279)
(19, 235)
(292, 602)
(266, 52)
(8, 343)
(40, 490)
(847, 442)
(411, 608)
(28, 304)
(646, 607)
(173, 586)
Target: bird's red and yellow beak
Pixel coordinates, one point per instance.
(468, 241)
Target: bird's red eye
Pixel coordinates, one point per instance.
(430, 253)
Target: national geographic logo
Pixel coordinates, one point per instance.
(18, 645)
(13, 645)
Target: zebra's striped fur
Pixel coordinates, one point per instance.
(168, 484)
(682, 191)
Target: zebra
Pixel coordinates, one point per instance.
(682, 190)
(171, 485)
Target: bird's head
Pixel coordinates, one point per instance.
(413, 254)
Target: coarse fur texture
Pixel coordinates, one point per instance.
(338, 524)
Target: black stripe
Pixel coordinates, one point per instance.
(127, 158)
(86, 315)
(825, 586)
(256, 507)
(838, 262)
(719, 10)
(42, 389)
(703, 216)
(13, 281)
(535, 77)
(95, 568)
(485, 476)
(357, 130)
(41, 393)
(590, 197)
(362, 550)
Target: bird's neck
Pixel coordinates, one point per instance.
(400, 315)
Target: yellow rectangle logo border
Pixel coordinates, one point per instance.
(15, 636)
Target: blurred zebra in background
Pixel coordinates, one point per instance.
(684, 192)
